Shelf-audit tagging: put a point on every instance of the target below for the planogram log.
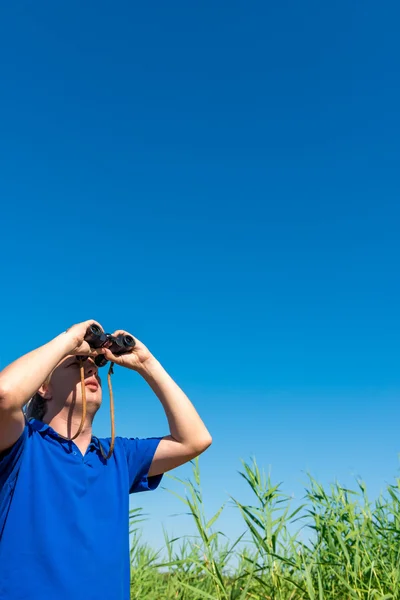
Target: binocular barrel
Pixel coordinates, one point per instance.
(95, 337)
(120, 344)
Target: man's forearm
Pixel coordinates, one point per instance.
(184, 422)
(22, 378)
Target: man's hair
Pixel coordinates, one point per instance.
(36, 408)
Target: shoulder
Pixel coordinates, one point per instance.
(139, 454)
(10, 459)
(135, 445)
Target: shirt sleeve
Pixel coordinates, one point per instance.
(139, 454)
(10, 459)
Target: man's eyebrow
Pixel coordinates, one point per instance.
(69, 361)
(74, 359)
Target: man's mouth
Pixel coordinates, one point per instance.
(92, 383)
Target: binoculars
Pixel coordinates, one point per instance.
(120, 344)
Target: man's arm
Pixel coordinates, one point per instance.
(20, 381)
(189, 436)
(22, 378)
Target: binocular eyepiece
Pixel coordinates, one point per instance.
(120, 344)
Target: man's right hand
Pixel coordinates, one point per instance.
(76, 339)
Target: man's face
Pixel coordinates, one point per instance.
(65, 389)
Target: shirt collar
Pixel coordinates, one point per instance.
(44, 429)
(40, 426)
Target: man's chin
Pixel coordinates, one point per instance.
(93, 400)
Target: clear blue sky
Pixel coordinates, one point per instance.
(221, 179)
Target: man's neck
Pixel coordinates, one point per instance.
(67, 427)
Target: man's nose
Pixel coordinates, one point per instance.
(91, 368)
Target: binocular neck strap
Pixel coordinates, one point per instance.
(112, 417)
(83, 390)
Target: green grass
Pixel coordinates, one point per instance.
(336, 545)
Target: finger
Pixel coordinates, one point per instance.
(96, 351)
(111, 356)
(121, 332)
(86, 350)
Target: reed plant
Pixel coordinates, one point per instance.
(336, 544)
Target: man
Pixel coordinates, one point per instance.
(64, 507)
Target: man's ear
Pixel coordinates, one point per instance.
(45, 391)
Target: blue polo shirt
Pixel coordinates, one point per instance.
(64, 517)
